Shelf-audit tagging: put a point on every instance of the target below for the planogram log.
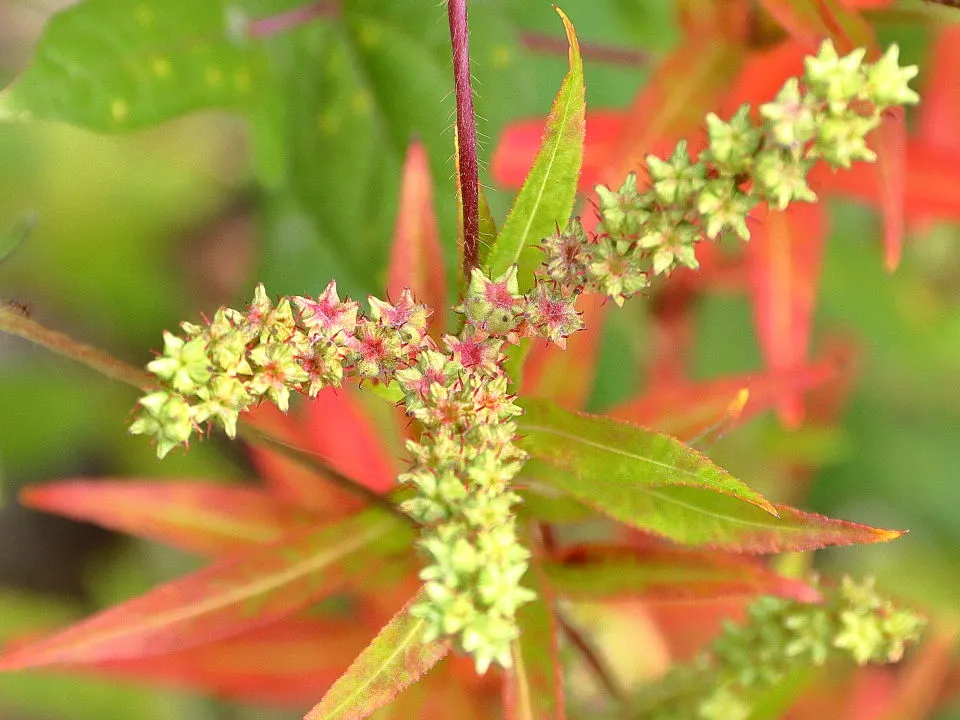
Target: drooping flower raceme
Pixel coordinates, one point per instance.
(458, 391)
(825, 116)
(781, 638)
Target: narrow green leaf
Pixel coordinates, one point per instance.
(533, 687)
(547, 196)
(615, 457)
(392, 662)
(112, 65)
(705, 518)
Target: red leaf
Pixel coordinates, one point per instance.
(335, 426)
(783, 260)
(340, 430)
(891, 140)
(200, 517)
(416, 261)
(286, 663)
(932, 175)
(288, 480)
(655, 571)
(848, 28)
(687, 84)
(939, 115)
(687, 410)
(232, 596)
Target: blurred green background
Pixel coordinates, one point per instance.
(125, 235)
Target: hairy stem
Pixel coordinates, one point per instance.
(16, 323)
(466, 134)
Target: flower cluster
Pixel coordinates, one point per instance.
(647, 232)
(212, 373)
(784, 636)
(457, 392)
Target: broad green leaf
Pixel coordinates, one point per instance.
(533, 686)
(705, 518)
(112, 65)
(207, 518)
(392, 662)
(614, 460)
(603, 572)
(546, 198)
(232, 596)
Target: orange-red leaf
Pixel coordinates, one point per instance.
(291, 481)
(416, 260)
(687, 410)
(655, 571)
(395, 659)
(340, 430)
(202, 517)
(932, 176)
(687, 84)
(891, 141)
(239, 593)
(783, 260)
(335, 426)
(285, 664)
(939, 115)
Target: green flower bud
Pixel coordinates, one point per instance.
(781, 179)
(184, 364)
(837, 80)
(792, 121)
(733, 144)
(887, 82)
(678, 179)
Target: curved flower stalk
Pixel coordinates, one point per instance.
(781, 638)
(459, 391)
(825, 116)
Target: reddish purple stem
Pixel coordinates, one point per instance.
(466, 135)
